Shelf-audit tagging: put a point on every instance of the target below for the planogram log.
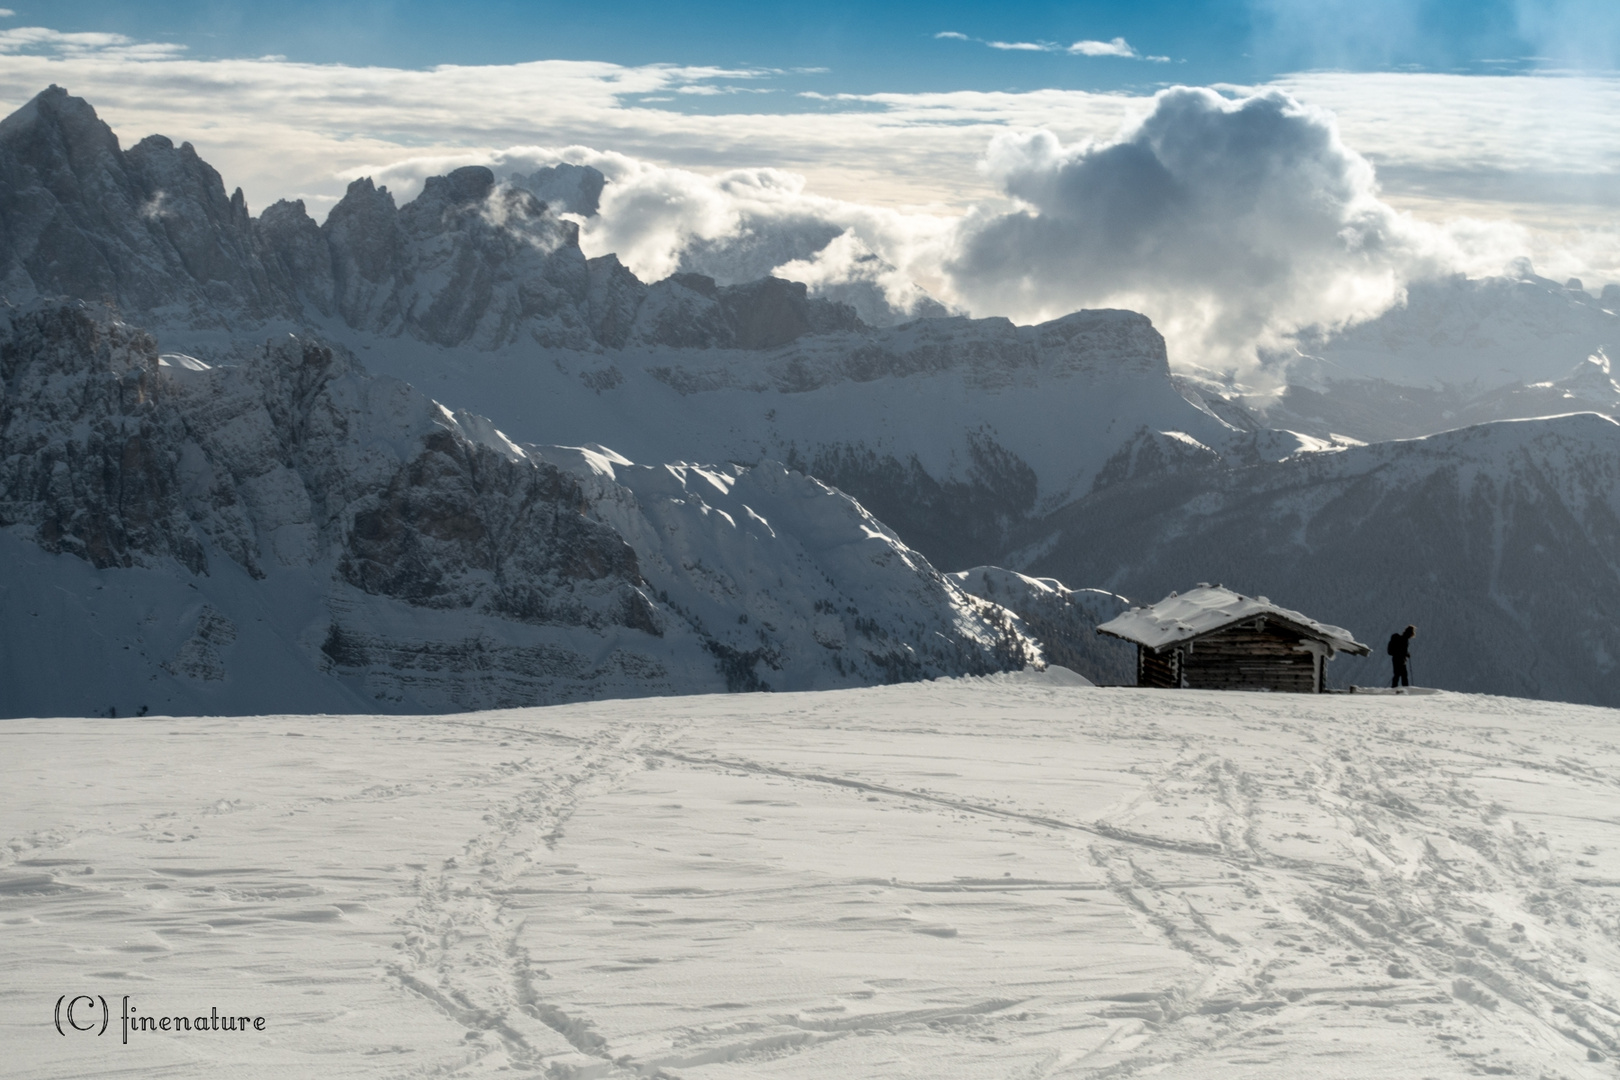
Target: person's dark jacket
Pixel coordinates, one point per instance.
(1400, 647)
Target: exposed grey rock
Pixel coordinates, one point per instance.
(298, 516)
(199, 657)
(89, 459)
(295, 247)
(566, 188)
(467, 262)
(364, 237)
(281, 460)
(614, 298)
(150, 228)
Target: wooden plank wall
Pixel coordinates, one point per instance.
(1162, 670)
(1237, 658)
(1241, 657)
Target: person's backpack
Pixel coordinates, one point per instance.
(1392, 649)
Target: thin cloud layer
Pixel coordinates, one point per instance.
(42, 40)
(1118, 47)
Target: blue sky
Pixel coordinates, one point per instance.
(867, 47)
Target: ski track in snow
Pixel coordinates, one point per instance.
(971, 878)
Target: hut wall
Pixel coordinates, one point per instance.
(1162, 670)
(1250, 657)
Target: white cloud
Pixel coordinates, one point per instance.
(7, 13)
(1230, 223)
(39, 39)
(1117, 47)
(896, 174)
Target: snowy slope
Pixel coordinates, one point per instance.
(953, 880)
(792, 583)
(1065, 621)
(291, 532)
(1459, 351)
(1473, 332)
(1501, 542)
(949, 430)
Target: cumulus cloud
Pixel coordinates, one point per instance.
(742, 224)
(1232, 223)
(734, 226)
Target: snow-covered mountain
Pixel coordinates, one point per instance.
(290, 532)
(951, 429)
(1459, 351)
(467, 262)
(1064, 619)
(1500, 541)
(1068, 449)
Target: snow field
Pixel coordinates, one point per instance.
(997, 877)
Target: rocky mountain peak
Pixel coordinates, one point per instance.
(150, 228)
(470, 183)
(53, 116)
(567, 188)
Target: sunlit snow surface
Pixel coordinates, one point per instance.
(1002, 877)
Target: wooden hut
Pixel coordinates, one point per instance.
(1211, 638)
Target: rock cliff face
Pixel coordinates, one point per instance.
(293, 458)
(467, 262)
(149, 228)
(951, 430)
(289, 513)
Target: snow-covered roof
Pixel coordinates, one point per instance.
(1208, 608)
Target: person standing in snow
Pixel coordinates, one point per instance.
(1400, 651)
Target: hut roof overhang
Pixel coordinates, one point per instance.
(1209, 609)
